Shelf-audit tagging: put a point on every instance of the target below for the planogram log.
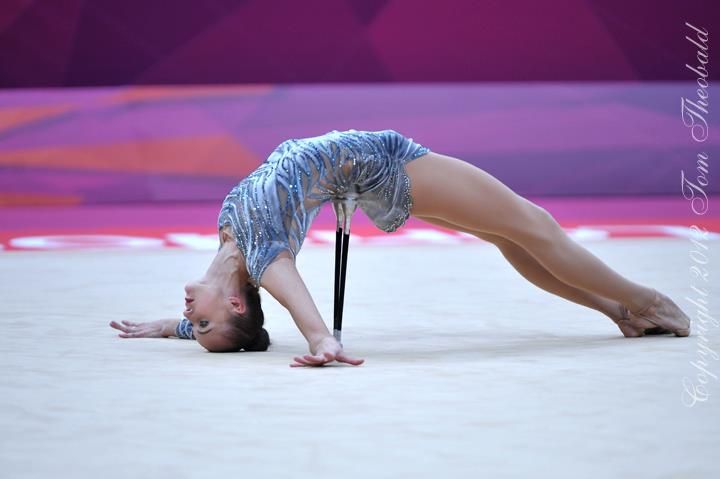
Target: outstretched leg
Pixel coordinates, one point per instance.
(525, 264)
(464, 195)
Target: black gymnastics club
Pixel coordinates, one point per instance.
(344, 209)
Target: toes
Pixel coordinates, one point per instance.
(633, 334)
(682, 332)
(675, 319)
(630, 332)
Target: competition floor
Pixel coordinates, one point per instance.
(470, 370)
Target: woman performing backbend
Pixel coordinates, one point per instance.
(264, 220)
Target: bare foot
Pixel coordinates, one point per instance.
(662, 313)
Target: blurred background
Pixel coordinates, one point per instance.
(137, 117)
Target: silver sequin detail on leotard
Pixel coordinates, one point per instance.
(272, 208)
(184, 329)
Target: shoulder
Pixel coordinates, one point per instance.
(278, 258)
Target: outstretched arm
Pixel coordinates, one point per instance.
(282, 280)
(163, 328)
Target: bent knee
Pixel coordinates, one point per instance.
(535, 225)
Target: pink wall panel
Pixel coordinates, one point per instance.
(109, 42)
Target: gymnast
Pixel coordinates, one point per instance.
(264, 220)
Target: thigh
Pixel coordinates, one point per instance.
(489, 237)
(464, 195)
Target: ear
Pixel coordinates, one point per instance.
(238, 304)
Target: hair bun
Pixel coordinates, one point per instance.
(260, 343)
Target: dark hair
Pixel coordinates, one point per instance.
(246, 331)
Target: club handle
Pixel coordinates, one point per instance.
(344, 209)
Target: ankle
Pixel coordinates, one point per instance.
(641, 303)
(611, 309)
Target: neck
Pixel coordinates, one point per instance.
(227, 270)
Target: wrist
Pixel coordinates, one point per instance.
(168, 327)
(315, 340)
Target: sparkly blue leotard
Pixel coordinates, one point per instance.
(272, 208)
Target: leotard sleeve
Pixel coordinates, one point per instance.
(184, 329)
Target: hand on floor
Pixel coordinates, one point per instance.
(152, 329)
(326, 351)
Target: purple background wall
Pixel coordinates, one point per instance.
(110, 42)
(126, 144)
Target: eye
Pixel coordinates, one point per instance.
(203, 323)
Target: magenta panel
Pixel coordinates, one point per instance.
(110, 42)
